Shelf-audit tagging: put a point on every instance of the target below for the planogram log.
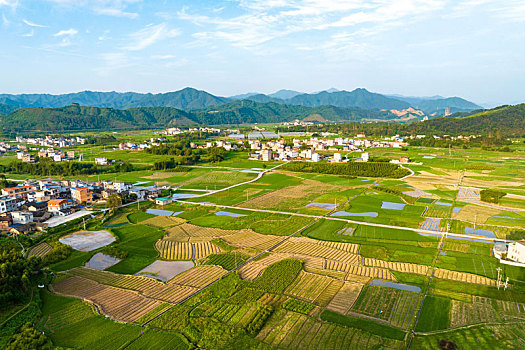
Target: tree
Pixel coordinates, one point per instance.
(114, 201)
(28, 338)
(216, 154)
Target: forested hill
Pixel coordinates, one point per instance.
(74, 117)
(505, 120)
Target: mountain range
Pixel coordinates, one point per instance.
(191, 99)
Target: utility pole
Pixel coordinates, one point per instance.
(499, 276)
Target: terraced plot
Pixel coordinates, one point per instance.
(463, 277)
(170, 250)
(194, 233)
(394, 306)
(357, 270)
(318, 250)
(251, 239)
(40, 250)
(397, 266)
(288, 330)
(199, 276)
(314, 288)
(254, 268)
(345, 297)
(119, 304)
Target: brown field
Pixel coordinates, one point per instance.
(463, 277)
(159, 176)
(163, 221)
(318, 250)
(171, 292)
(294, 193)
(170, 250)
(40, 250)
(357, 270)
(471, 213)
(345, 297)
(309, 286)
(193, 233)
(456, 247)
(119, 304)
(199, 276)
(253, 269)
(252, 239)
(480, 310)
(397, 266)
(347, 247)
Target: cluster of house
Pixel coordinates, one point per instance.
(309, 149)
(176, 131)
(131, 146)
(50, 141)
(28, 207)
(55, 155)
(298, 122)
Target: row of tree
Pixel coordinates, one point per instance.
(368, 169)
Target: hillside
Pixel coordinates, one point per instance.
(92, 118)
(187, 98)
(506, 120)
(6, 109)
(76, 117)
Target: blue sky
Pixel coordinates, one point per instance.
(470, 48)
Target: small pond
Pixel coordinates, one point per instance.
(226, 213)
(101, 261)
(443, 203)
(478, 232)
(159, 212)
(165, 270)
(392, 205)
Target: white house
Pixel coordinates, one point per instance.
(22, 217)
(101, 161)
(7, 204)
(516, 251)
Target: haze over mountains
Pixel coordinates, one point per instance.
(191, 99)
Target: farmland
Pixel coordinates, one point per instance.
(294, 260)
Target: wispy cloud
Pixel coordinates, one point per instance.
(66, 32)
(113, 61)
(32, 24)
(265, 20)
(10, 3)
(115, 8)
(5, 21)
(150, 35)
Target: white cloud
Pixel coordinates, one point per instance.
(150, 35)
(31, 24)
(115, 8)
(162, 57)
(10, 3)
(113, 61)
(266, 20)
(5, 21)
(68, 32)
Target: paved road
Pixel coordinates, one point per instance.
(239, 184)
(417, 230)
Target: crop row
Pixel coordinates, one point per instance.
(308, 286)
(117, 303)
(163, 221)
(365, 271)
(463, 277)
(314, 249)
(251, 239)
(40, 250)
(199, 276)
(397, 266)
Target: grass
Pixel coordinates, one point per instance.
(139, 216)
(366, 325)
(435, 314)
(326, 230)
(138, 241)
(154, 339)
(228, 261)
(75, 325)
(390, 234)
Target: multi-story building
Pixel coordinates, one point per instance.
(82, 195)
(516, 251)
(19, 192)
(55, 206)
(7, 204)
(22, 217)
